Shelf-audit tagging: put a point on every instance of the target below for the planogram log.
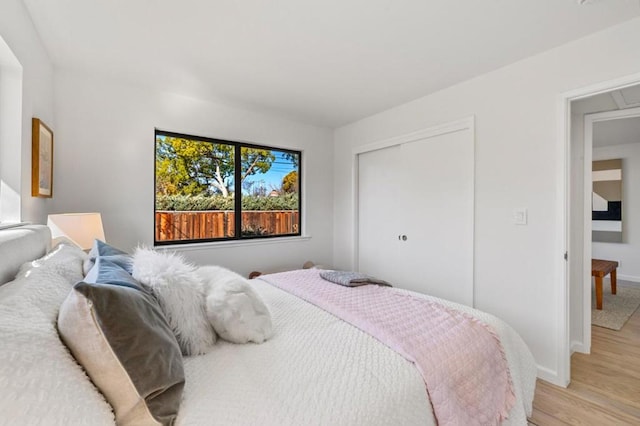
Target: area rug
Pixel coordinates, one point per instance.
(616, 308)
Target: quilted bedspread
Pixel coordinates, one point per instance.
(460, 358)
(320, 370)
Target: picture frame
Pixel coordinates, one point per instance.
(41, 159)
(607, 201)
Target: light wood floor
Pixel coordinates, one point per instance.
(605, 385)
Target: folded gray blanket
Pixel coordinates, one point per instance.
(351, 279)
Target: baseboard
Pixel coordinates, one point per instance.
(579, 347)
(550, 376)
(631, 278)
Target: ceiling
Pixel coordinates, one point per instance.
(612, 132)
(616, 132)
(325, 62)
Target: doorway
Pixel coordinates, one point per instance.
(584, 109)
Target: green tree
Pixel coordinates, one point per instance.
(189, 167)
(254, 161)
(179, 168)
(290, 182)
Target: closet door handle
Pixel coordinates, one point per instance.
(402, 237)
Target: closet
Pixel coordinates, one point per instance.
(415, 211)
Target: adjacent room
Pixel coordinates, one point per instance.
(335, 213)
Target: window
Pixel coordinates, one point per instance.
(11, 136)
(211, 190)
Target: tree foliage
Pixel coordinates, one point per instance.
(218, 202)
(255, 161)
(190, 167)
(290, 182)
(282, 202)
(179, 169)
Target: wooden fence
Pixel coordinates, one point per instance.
(194, 225)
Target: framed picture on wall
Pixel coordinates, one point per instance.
(41, 160)
(606, 216)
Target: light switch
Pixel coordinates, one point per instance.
(520, 216)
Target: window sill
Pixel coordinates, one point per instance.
(232, 243)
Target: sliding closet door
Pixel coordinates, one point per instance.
(416, 214)
(379, 211)
(437, 256)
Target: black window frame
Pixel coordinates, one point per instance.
(237, 185)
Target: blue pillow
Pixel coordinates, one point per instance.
(100, 248)
(124, 261)
(105, 271)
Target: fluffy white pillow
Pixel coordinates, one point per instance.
(234, 309)
(180, 294)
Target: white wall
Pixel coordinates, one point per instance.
(19, 34)
(518, 164)
(627, 253)
(105, 162)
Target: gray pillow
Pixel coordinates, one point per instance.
(120, 336)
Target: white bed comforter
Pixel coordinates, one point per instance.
(319, 370)
(315, 370)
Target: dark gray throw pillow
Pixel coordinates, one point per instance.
(120, 336)
(351, 279)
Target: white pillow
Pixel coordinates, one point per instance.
(234, 309)
(41, 383)
(180, 294)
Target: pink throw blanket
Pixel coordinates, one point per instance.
(460, 358)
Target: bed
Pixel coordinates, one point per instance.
(316, 370)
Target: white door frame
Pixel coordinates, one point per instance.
(589, 121)
(564, 173)
(450, 127)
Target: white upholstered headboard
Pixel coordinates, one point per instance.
(19, 245)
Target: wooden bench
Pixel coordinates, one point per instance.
(599, 269)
